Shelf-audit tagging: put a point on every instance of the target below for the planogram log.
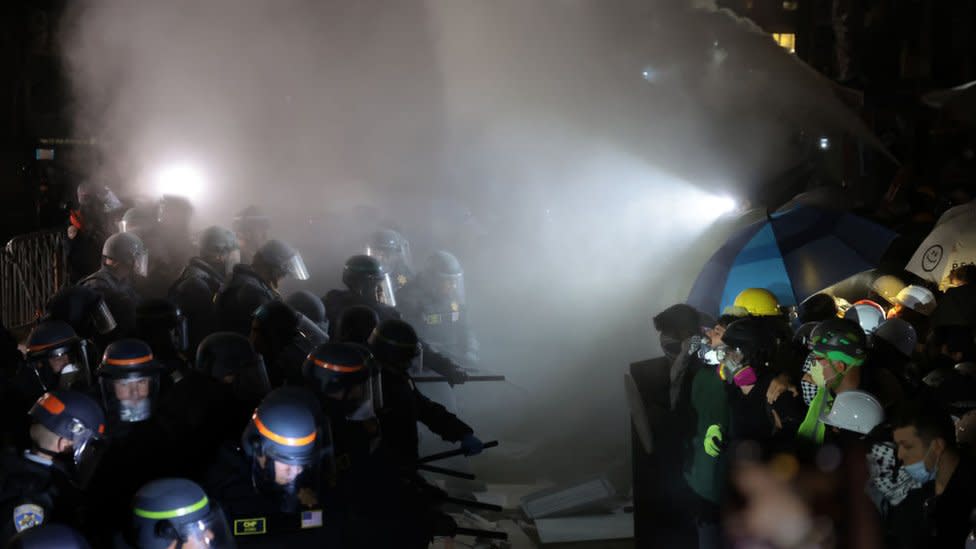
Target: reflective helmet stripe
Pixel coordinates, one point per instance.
(42, 346)
(275, 437)
(51, 403)
(128, 361)
(337, 367)
(172, 513)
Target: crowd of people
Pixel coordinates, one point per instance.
(831, 424)
(170, 399)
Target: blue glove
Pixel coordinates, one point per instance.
(472, 445)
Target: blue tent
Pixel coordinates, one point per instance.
(794, 254)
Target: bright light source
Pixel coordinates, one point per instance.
(183, 180)
(714, 207)
(824, 143)
(649, 73)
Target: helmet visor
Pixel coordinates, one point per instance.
(450, 288)
(250, 383)
(211, 531)
(88, 452)
(130, 399)
(67, 364)
(141, 264)
(383, 290)
(101, 318)
(310, 331)
(295, 266)
(232, 259)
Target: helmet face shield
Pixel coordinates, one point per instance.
(130, 399)
(86, 456)
(63, 367)
(450, 289)
(231, 259)
(295, 266)
(101, 318)
(250, 382)
(382, 290)
(141, 264)
(186, 527)
(180, 335)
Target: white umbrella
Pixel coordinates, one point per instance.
(951, 243)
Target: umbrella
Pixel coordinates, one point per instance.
(793, 254)
(951, 243)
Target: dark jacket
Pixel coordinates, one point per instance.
(31, 492)
(239, 298)
(119, 295)
(438, 322)
(194, 292)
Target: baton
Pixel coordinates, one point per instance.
(489, 534)
(437, 379)
(452, 453)
(472, 504)
(447, 472)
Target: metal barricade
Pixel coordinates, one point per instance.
(33, 267)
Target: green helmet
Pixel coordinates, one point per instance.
(840, 339)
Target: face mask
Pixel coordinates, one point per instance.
(131, 411)
(710, 356)
(918, 472)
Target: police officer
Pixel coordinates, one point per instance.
(143, 221)
(393, 252)
(47, 536)
(198, 284)
(251, 226)
(46, 482)
(231, 359)
(435, 303)
(129, 382)
(254, 285)
(284, 337)
(395, 345)
(90, 225)
(368, 284)
(311, 306)
(84, 310)
(161, 324)
(124, 258)
(356, 324)
(176, 512)
(174, 214)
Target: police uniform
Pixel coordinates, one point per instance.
(441, 323)
(119, 295)
(240, 297)
(33, 491)
(194, 292)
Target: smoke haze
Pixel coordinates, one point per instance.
(562, 149)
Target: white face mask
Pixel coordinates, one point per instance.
(131, 411)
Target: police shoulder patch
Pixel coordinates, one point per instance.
(28, 516)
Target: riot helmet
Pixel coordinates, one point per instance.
(161, 323)
(58, 357)
(252, 226)
(98, 197)
(78, 419)
(394, 342)
(445, 278)
(310, 305)
(355, 324)
(140, 220)
(345, 380)
(175, 512)
(83, 309)
(129, 380)
(48, 536)
(390, 248)
(127, 249)
(219, 245)
(286, 441)
(230, 358)
(366, 276)
(281, 260)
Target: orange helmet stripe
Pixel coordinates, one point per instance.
(129, 361)
(275, 437)
(337, 367)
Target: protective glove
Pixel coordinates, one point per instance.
(472, 445)
(817, 374)
(713, 441)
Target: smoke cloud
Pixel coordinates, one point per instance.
(562, 150)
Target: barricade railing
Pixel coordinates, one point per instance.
(33, 267)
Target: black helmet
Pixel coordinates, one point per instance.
(287, 428)
(310, 305)
(176, 511)
(57, 356)
(83, 309)
(229, 357)
(140, 220)
(76, 417)
(367, 277)
(394, 342)
(161, 323)
(251, 219)
(840, 339)
(444, 275)
(356, 324)
(216, 240)
(344, 380)
(129, 378)
(390, 248)
(749, 344)
(127, 249)
(282, 259)
(47, 536)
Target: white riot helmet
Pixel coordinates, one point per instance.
(856, 411)
(917, 298)
(899, 333)
(868, 314)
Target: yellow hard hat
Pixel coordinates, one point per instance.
(757, 302)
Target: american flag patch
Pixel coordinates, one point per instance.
(312, 519)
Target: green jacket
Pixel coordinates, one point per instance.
(705, 474)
